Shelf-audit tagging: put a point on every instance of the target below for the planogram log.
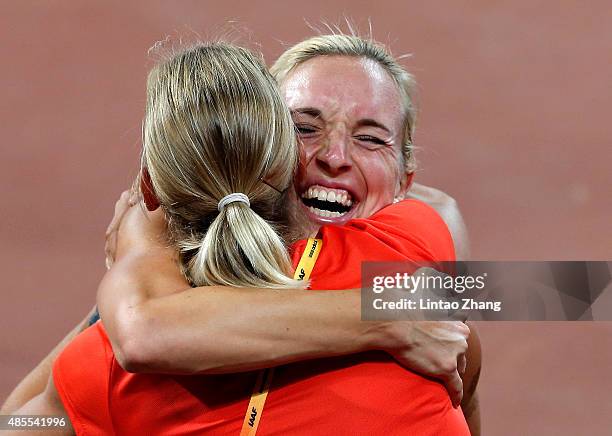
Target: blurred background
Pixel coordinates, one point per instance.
(514, 123)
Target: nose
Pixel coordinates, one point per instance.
(334, 157)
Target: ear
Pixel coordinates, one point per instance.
(404, 185)
(148, 194)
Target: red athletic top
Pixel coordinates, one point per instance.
(363, 394)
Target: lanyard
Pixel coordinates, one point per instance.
(264, 378)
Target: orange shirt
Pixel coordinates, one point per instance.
(365, 394)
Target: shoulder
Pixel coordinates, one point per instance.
(410, 215)
(448, 209)
(471, 376)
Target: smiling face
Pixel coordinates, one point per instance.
(350, 123)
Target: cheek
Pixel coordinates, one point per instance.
(303, 157)
(380, 171)
(308, 148)
(292, 199)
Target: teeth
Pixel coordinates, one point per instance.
(325, 213)
(325, 194)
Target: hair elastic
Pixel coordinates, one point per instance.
(232, 198)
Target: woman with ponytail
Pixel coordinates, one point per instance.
(219, 151)
(217, 140)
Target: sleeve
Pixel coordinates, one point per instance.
(81, 374)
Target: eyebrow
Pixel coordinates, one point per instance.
(369, 122)
(313, 112)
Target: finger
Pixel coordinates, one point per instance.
(461, 364)
(123, 202)
(108, 251)
(454, 386)
(116, 218)
(121, 206)
(134, 198)
(462, 328)
(459, 315)
(110, 248)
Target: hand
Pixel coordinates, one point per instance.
(434, 343)
(126, 200)
(132, 226)
(432, 348)
(141, 230)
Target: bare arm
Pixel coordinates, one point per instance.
(156, 323)
(470, 403)
(448, 209)
(46, 402)
(37, 380)
(219, 329)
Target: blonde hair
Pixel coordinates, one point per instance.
(339, 44)
(216, 124)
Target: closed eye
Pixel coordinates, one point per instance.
(305, 129)
(371, 139)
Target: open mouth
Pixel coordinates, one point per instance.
(327, 202)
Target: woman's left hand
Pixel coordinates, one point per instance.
(132, 227)
(142, 230)
(126, 200)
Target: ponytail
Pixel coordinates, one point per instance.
(240, 248)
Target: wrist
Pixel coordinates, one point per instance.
(389, 336)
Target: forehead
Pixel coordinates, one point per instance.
(353, 87)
